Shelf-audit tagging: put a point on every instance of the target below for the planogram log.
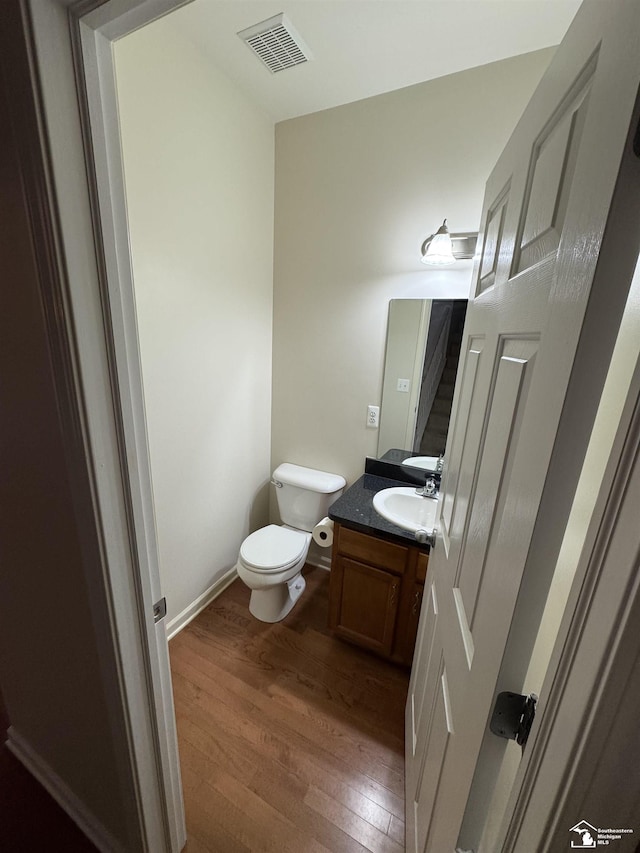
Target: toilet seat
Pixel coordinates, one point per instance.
(273, 549)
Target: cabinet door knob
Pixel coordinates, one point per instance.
(426, 537)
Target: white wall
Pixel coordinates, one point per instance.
(199, 166)
(358, 188)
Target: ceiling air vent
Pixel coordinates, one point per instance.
(276, 43)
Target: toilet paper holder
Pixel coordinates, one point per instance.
(323, 533)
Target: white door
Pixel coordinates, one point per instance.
(546, 208)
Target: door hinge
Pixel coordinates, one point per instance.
(513, 715)
(160, 610)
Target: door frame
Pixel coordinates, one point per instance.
(91, 327)
(91, 255)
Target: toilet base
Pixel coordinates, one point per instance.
(272, 604)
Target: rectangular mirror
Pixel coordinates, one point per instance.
(421, 363)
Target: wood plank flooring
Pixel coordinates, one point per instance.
(290, 740)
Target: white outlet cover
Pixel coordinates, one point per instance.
(403, 385)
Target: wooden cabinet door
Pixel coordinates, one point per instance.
(365, 604)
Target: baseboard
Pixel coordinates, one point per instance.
(182, 619)
(319, 560)
(62, 794)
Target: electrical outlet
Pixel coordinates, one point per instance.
(403, 385)
(373, 416)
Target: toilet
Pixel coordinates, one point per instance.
(271, 559)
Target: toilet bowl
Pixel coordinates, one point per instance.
(270, 564)
(271, 559)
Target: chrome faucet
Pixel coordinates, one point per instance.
(429, 489)
(440, 463)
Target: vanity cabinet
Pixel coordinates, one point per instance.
(376, 593)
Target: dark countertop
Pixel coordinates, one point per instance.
(355, 509)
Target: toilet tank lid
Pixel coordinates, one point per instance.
(309, 478)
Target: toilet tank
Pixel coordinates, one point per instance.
(304, 494)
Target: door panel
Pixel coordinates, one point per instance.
(545, 213)
(465, 440)
(493, 240)
(438, 735)
(417, 699)
(551, 173)
(509, 399)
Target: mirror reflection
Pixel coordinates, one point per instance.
(421, 363)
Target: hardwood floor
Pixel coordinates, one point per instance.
(290, 740)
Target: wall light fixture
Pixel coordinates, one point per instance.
(444, 248)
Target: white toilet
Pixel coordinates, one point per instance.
(271, 559)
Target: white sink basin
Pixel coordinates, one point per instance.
(429, 463)
(403, 507)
